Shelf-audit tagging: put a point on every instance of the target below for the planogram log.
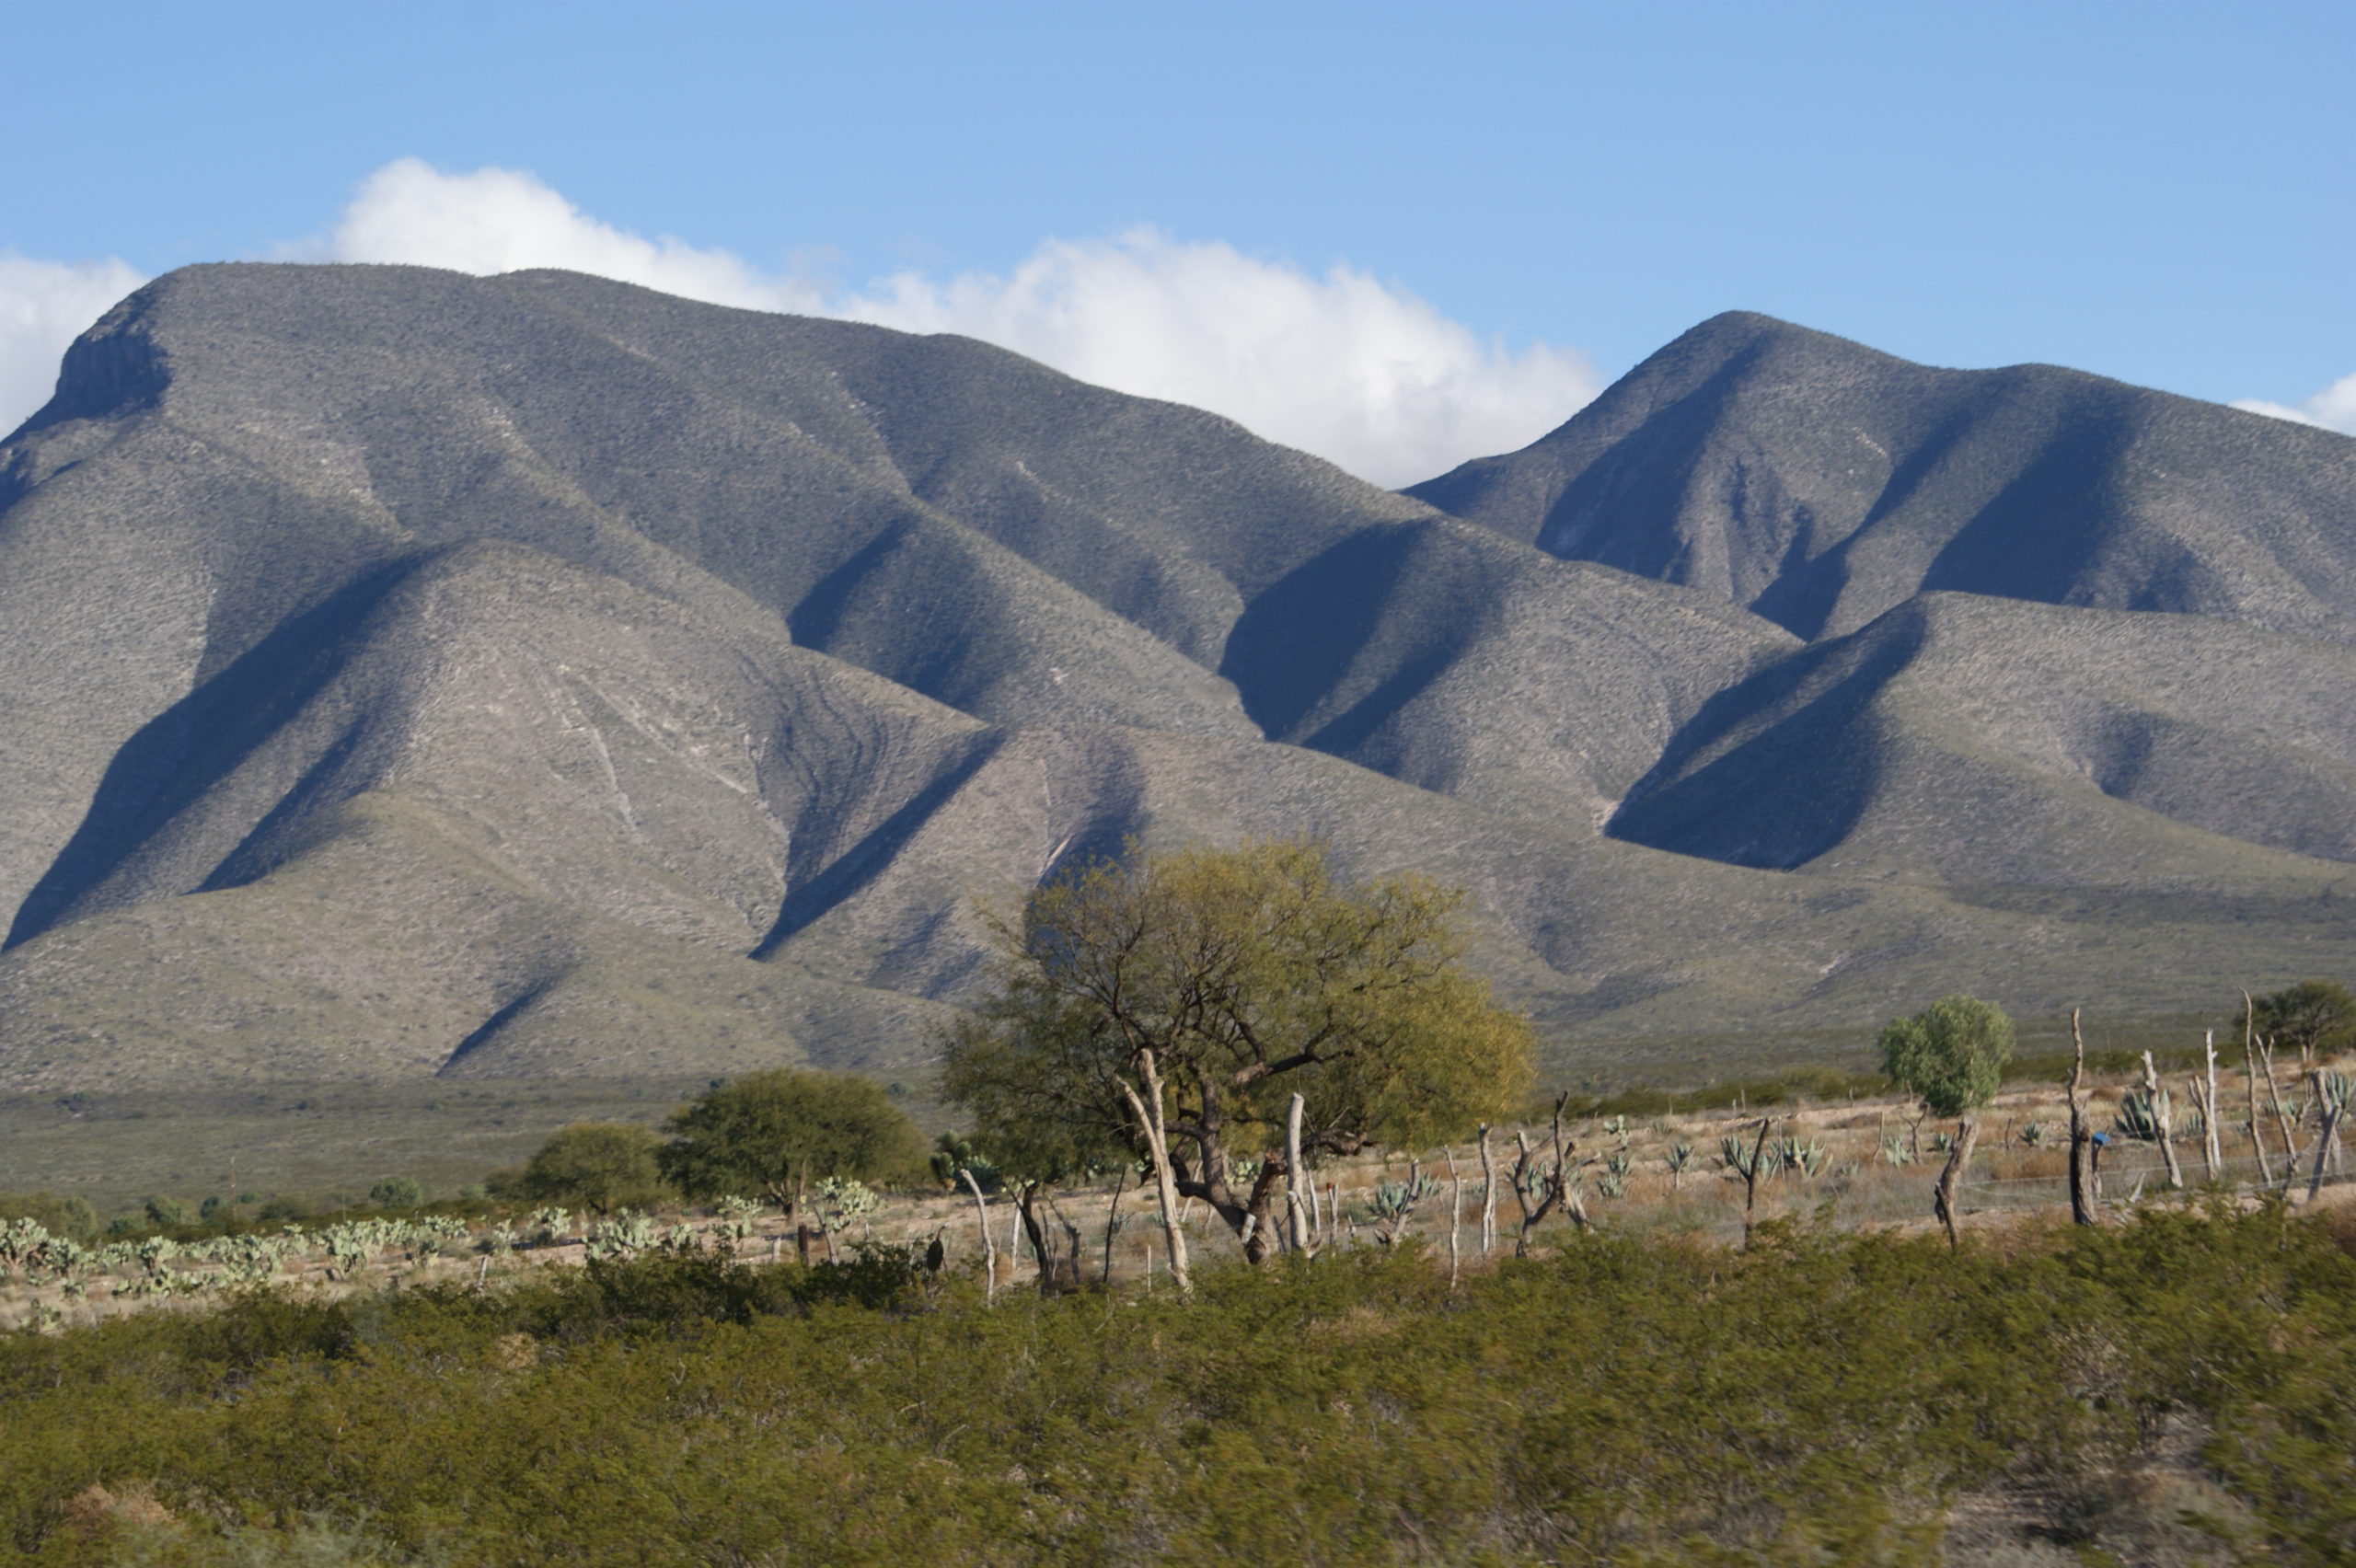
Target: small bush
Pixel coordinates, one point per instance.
(396, 1192)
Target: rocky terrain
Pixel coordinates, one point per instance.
(535, 675)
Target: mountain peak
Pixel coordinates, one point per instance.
(1818, 482)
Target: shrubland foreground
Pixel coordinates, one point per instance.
(2181, 1388)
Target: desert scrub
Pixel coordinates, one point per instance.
(1816, 1398)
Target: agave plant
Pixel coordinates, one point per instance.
(1619, 1163)
(1794, 1158)
(2139, 1115)
(1895, 1151)
(1612, 1183)
(2033, 1134)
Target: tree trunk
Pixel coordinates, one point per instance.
(1112, 1220)
(1488, 1195)
(982, 1222)
(1259, 1232)
(1942, 1196)
(1149, 1113)
(1043, 1253)
(2324, 1138)
(2281, 1117)
(2163, 1119)
(1750, 1182)
(2249, 1083)
(2082, 1136)
(1296, 1211)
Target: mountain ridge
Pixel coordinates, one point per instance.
(536, 675)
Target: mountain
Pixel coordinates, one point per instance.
(1820, 483)
(536, 676)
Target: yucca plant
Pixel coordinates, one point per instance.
(2033, 1133)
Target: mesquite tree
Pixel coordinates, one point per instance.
(1951, 1054)
(1171, 1005)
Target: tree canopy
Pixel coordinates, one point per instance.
(2311, 1015)
(1233, 979)
(773, 1133)
(599, 1165)
(1952, 1054)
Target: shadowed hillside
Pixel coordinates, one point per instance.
(1820, 483)
(538, 675)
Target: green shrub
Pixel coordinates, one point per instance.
(396, 1192)
(1816, 1398)
(602, 1166)
(58, 1216)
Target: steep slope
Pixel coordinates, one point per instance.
(1820, 483)
(236, 444)
(1448, 658)
(1988, 741)
(419, 674)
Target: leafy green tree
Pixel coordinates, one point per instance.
(396, 1192)
(2313, 1015)
(1168, 1008)
(1951, 1055)
(165, 1214)
(773, 1133)
(596, 1165)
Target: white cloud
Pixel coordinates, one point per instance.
(44, 306)
(498, 220)
(2334, 408)
(1342, 365)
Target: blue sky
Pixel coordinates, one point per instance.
(1524, 199)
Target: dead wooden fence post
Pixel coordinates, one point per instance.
(982, 1222)
(2331, 1110)
(2163, 1121)
(2249, 1084)
(1750, 1182)
(1488, 1195)
(2081, 1210)
(1455, 1213)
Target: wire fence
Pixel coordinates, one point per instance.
(2135, 1180)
